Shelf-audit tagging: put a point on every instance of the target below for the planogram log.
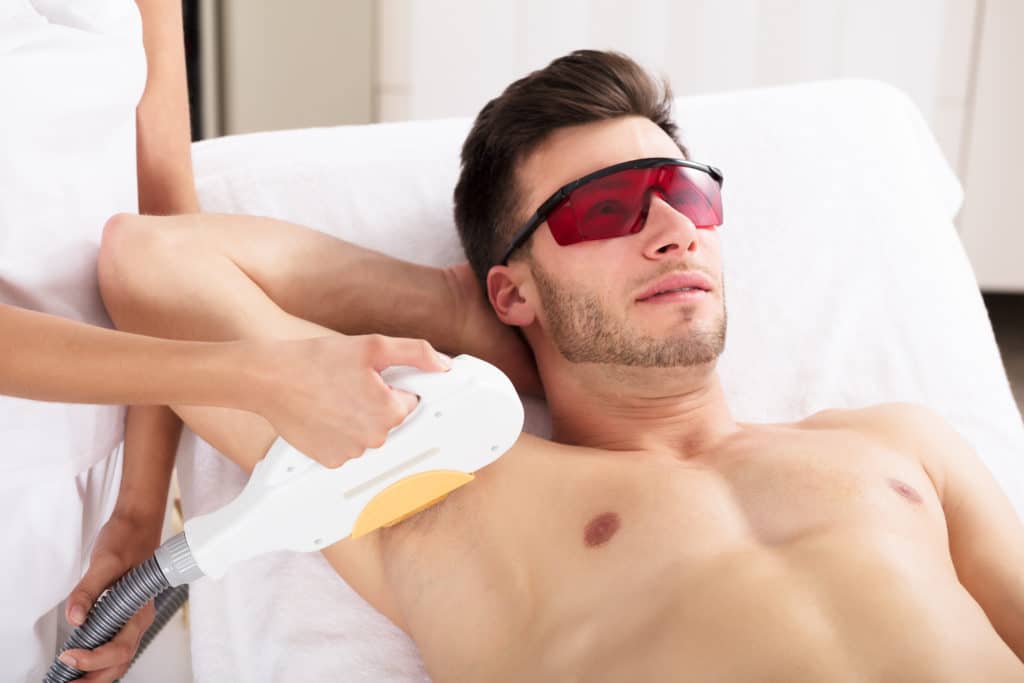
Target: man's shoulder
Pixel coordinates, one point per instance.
(909, 428)
(896, 420)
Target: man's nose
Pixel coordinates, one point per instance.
(667, 231)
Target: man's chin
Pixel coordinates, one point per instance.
(668, 354)
(675, 348)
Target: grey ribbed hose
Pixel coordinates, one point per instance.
(171, 565)
(166, 604)
(109, 615)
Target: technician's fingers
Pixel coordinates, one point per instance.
(104, 569)
(107, 662)
(387, 351)
(387, 410)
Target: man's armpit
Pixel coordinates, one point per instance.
(360, 563)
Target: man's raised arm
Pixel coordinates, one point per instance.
(319, 278)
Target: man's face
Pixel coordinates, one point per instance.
(591, 298)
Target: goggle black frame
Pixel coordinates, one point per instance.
(541, 214)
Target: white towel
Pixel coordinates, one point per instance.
(846, 285)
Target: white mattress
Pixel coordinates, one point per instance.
(846, 286)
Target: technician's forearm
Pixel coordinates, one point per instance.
(166, 184)
(47, 358)
(150, 443)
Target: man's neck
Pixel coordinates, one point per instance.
(679, 411)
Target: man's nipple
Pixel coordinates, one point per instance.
(600, 529)
(905, 490)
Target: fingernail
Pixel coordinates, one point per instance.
(77, 615)
(68, 659)
(445, 360)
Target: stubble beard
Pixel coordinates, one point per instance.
(584, 331)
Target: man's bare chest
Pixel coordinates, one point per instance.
(811, 480)
(563, 526)
(768, 489)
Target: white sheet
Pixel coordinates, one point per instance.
(846, 286)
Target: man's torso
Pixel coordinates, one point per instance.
(805, 551)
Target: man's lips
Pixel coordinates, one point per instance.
(676, 283)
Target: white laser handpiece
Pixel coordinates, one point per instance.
(465, 419)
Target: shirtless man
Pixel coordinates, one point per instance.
(654, 538)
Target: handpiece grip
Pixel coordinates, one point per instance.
(466, 418)
(283, 460)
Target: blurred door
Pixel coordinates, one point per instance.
(990, 224)
(294, 64)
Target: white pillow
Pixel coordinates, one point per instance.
(846, 282)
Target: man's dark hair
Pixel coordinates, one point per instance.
(581, 87)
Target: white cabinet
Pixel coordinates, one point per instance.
(292, 65)
(992, 220)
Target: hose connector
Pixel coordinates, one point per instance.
(176, 562)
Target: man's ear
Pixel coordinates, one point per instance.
(504, 290)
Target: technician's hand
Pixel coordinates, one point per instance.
(123, 542)
(486, 337)
(327, 398)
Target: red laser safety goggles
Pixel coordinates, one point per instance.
(614, 201)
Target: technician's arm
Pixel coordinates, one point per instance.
(165, 186)
(293, 383)
(48, 358)
(164, 148)
(128, 538)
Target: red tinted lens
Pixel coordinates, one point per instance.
(693, 193)
(611, 206)
(616, 205)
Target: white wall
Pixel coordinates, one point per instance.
(325, 62)
(448, 57)
(959, 60)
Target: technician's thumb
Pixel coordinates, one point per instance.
(406, 400)
(88, 589)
